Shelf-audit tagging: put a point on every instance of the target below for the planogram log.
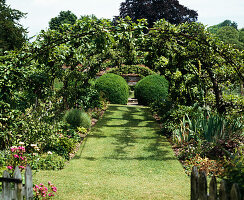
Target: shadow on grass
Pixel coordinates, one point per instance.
(126, 136)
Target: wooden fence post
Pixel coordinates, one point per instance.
(28, 183)
(203, 187)
(18, 186)
(199, 188)
(6, 187)
(194, 183)
(223, 195)
(235, 193)
(213, 189)
(19, 190)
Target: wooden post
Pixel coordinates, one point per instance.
(18, 186)
(194, 183)
(28, 183)
(199, 188)
(203, 186)
(223, 191)
(213, 189)
(235, 193)
(6, 187)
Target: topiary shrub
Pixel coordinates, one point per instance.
(76, 118)
(114, 88)
(151, 89)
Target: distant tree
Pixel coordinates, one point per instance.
(64, 17)
(227, 32)
(227, 22)
(229, 35)
(241, 35)
(153, 10)
(12, 34)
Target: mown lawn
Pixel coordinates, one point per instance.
(124, 157)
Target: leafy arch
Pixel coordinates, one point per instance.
(140, 70)
(191, 59)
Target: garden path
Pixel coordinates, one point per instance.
(124, 157)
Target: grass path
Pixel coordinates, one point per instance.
(123, 157)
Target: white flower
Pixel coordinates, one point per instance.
(49, 152)
(21, 143)
(33, 145)
(36, 148)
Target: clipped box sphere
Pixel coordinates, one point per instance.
(114, 88)
(150, 89)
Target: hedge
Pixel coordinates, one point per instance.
(114, 88)
(150, 89)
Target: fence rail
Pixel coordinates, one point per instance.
(13, 188)
(199, 189)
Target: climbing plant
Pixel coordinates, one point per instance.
(142, 71)
(199, 67)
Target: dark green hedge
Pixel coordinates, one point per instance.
(132, 69)
(150, 89)
(114, 88)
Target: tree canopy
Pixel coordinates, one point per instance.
(227, 22)
(230, 35)
(12, 34)
(64, 17)
(227, 32)
(153, 10)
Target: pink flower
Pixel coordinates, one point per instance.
(54, 189)
(13, 149)
(10, 167)
(22, 167)
(50, 194)
(21, 158)
(21, 148)
(16, 156)
(43, 191)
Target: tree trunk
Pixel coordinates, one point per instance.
(217, 92)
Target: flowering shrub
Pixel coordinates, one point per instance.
(17, 158)
(42, 192)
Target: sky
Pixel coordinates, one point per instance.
(39, 12)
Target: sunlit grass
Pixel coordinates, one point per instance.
(123, 157)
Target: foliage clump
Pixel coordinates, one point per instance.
(234, 168)
(77, 118)
(64, 17)
(51, 161)
(153, 88)
(114, 88)
(13, 34)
